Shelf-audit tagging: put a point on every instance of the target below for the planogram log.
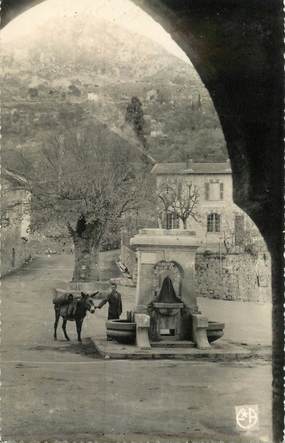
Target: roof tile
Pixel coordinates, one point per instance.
(192, 168)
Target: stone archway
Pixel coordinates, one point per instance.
(236, 47)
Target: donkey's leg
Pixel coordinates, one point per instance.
(57, 315)
(64, 329)
(78, 328)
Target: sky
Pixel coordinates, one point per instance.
(120, 12)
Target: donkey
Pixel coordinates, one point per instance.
(77, 313)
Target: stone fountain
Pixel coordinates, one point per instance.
(166, 302)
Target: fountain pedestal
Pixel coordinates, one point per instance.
(169, 256)
(169, 247)
(166, 316)
(142, 328)
(199, 330)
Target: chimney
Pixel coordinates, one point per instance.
(228, 165)
(189, 162)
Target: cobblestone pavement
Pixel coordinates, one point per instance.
(63, 391)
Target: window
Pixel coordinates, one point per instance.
(214, 190)
(214, 223)
(171, 221)
(4, 219)
(221, 191)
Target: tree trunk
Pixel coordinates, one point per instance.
(86, 239)
(82, 258)
(184, 223)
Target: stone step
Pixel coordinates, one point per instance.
(224, 352)
(172, 344)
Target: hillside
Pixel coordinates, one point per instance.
(71, 77)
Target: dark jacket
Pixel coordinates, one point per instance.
(115, 305)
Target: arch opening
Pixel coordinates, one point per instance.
(254, 204)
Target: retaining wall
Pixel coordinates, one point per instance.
(234, 277)
(14, 252)
(238, 276)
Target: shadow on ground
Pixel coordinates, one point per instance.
(85, 348)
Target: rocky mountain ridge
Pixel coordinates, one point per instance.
(70, 77)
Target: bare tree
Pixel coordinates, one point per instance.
(80, 182)
(180, 199)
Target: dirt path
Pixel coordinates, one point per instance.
(61, 391)
(28, 314)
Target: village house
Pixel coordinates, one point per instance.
(232, 262)
(15, 221)
(219, 221)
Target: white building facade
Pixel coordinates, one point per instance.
(15, 218)
(219, 219)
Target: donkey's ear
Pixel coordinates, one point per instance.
(94, 294)
(82, 294)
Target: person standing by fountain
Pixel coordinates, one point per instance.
(115, 303)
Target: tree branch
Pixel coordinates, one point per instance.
(70, 229)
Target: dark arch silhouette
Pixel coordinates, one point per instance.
(236, 47)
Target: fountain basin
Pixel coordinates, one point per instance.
(215, 330)
(124, 331)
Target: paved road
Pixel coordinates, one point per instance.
(59, 390)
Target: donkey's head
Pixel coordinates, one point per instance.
(88, 301)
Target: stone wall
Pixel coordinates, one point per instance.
(234, 276)
(40, 245)
(227, 277)
(15, 218)
(15, 251)
(129, 259)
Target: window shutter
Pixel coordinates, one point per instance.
(218, 223)
(210, 223)
(176, 222)
(164, 221)
(207, 191)
(222, 191)
(179, 189)
(168, 220)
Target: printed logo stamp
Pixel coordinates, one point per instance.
(247, 417)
